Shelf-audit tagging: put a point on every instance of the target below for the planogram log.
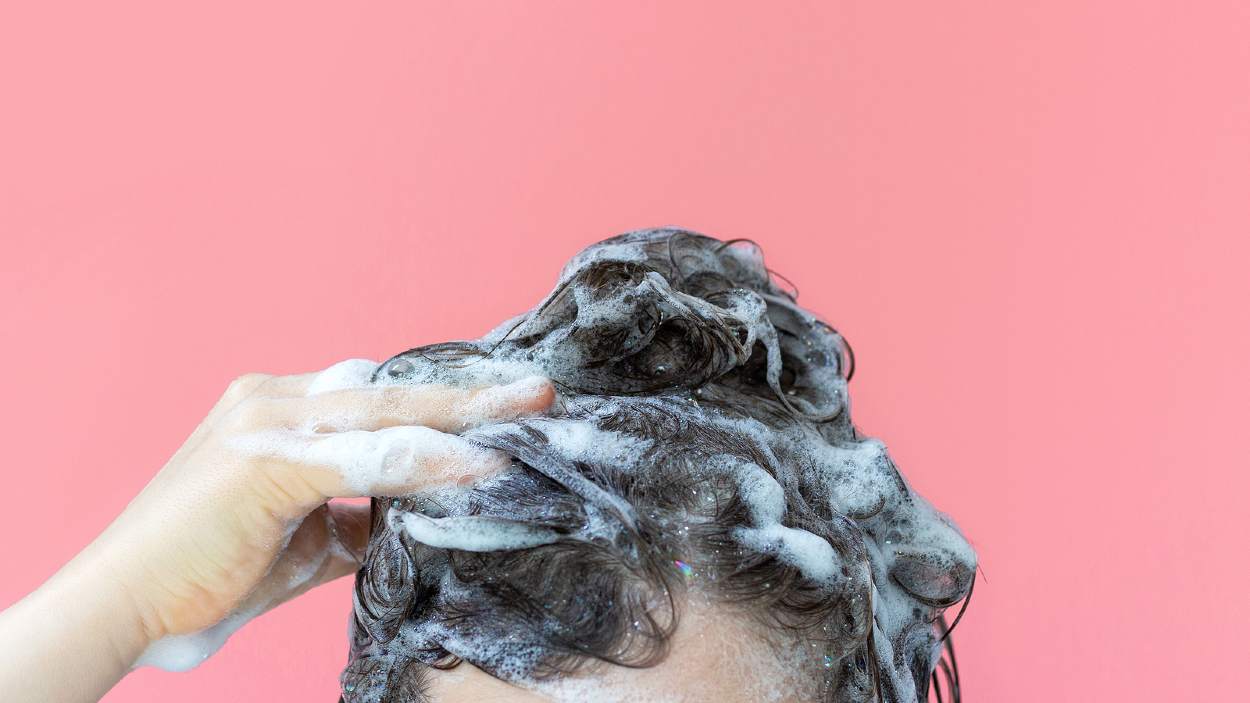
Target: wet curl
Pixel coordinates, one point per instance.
(702, 442)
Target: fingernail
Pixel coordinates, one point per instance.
(515, 391)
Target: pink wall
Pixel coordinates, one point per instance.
(1029, 218)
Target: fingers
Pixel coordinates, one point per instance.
(328, 544)
(442, 408)
(353, 373)
(326, 435)
(350, 524)
(390, 461)
(239, 390)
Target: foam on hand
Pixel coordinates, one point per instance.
(352, 373)
(380, 462)
(292, 573)
(185, 652)
(372, 463)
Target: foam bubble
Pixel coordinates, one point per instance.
(696, 333)
(580, 440)
(766, 500)
(472, 533)
(352, 373)
(382, 461)
(499, 401)
(801, 549)
(185, 652)
(289, 575)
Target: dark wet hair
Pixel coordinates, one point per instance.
(682, 367)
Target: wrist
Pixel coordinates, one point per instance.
(84, 617)
(91, 599)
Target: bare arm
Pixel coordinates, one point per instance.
(238, 521)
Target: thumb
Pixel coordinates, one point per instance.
(328, 544)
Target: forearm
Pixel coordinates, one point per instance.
(70, 640)
(225, 520)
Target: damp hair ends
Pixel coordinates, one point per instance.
(701, 443)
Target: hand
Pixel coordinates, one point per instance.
(237, 521)
(207, 529)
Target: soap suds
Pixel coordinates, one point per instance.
(352, 373)
(766, 499)
(306, 548)
(472, 533)
(185, 652)
(383, 461)
(702, 430)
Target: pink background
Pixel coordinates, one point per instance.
(1029, 218)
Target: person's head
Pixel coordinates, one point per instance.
(698, 514)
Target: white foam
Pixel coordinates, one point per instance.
(766, 499)
(485, 371)
(583, 440)
(500, 401)
(826, 462)
(382, 461)
(185, 652)
(472, 533)
(807, 552)
(352, 373)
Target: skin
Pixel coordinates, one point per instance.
(209, 533)
(715, 655)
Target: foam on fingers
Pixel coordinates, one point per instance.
(352, 373)
(507, 401)
(388, 461)
(313, 547)
(342, 398)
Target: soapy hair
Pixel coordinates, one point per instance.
(701, 442)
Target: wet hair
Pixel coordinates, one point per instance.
(701, 441)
